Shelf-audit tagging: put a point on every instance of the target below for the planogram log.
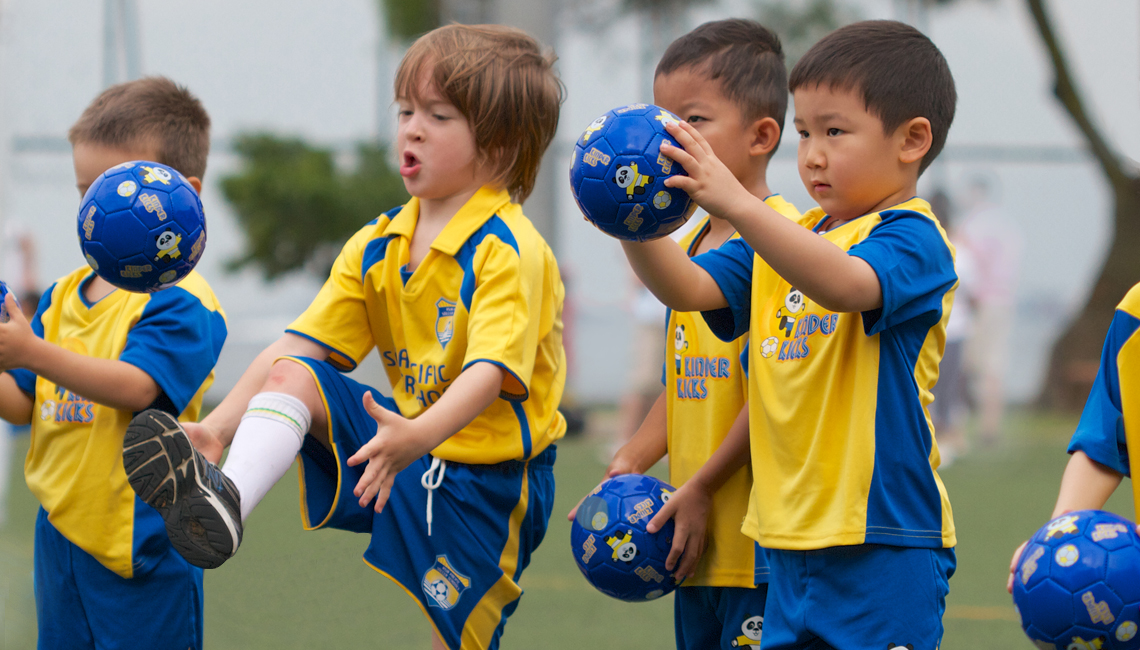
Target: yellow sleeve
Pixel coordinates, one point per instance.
(338, 317)
(504, 317)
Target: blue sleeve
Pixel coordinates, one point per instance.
(1100, 433)
(177, 341)
(26, 379)
(668, 338)
(744, 357)
(914, 266)
(731, 268)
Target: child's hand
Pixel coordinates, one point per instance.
(16, 336)
(619, 465)
(394, 447)
(689, 508)
(709, 182)
(1013, 565)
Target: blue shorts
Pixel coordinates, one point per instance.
(718, 617)
(82, 604)
(487, 519)
(865, 597)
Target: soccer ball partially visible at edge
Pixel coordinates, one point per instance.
(611, 546)
(617, 175)
(1077, 583)
(141, 226)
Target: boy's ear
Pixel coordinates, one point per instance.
(196, 183)
(765, 134)
(916, 138)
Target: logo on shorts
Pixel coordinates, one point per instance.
(444, 320)
(442, 585)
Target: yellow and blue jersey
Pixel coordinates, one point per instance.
(75, 465)
(843, 449)
(1113, 406)
(489, 290)
(705, 390)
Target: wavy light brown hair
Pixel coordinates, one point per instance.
(503, 83)
(152, 111)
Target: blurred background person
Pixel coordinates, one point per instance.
(987, 235)
(643, 385)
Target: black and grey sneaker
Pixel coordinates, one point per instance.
(199, 503)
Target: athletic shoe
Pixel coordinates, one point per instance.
(200, 504)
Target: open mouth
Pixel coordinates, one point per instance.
(409, 165)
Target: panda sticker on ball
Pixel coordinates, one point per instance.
(618, 175)
(141, 226)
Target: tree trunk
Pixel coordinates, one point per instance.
(1076, 354)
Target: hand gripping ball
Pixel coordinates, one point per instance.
(618, 175)
(1077, 583)
(141, 226)
(611, 546)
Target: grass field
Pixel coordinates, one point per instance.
(292, 589)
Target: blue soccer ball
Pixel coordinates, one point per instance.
(4, 291)
(141, 226)
(611, 546)
(618, 175)
(1077, 583)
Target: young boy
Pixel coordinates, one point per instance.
(462, 299)
(1109, 425)
(726, 78)
(846, 323)
(106, 575)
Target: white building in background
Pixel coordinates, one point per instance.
(312, 70)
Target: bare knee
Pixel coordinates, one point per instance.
(294, 379)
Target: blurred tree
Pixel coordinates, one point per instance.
(297, 208)
(407, 19)
(1076, 353)
(801, 24)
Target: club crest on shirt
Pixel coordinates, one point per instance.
(444, 320)
(442, 585)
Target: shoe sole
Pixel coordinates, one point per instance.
(160, 465)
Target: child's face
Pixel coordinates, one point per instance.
(846, 162)
(698, 100)
(92, 159)
(438, 156)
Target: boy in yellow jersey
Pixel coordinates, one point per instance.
(461, 298)
(726, 78)
(1109, 425)
(847, 323)
(106, 576)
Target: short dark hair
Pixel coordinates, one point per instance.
(152, 111)
(745, 56)
(899, 71)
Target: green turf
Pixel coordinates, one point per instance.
(293, 589)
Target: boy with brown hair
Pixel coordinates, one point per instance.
(106, 575)
(461, 298)
(847, 322)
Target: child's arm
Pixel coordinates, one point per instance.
(690, 504)
(216, 431)
(1086, 485)
(647, 446)
(399, 441)
(672, 276)
(15, 404)
(821, 270)
(109, 382)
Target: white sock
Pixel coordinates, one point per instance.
(265, 444)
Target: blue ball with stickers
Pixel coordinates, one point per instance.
(611, 546)
(1077, 583)
(4, 291)
(141, 226)
(617, 175)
